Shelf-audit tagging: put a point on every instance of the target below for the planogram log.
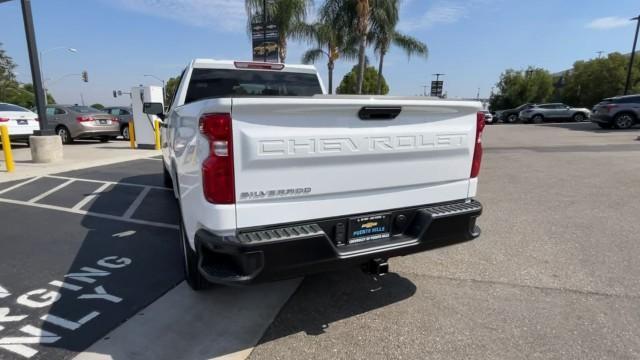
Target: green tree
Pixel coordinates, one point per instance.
(517, 87)
(170, 89)
(288, 15)
(383, 33)
(98, 106)
(7, 76)
(349, 84)
(23, 95)
(588, 82)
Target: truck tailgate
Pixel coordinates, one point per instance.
(299, 159)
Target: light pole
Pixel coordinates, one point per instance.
(633, 54)
(69, 49)
(164, 96)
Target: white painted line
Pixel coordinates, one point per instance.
(49, 192)
(4, 292)
(88, 213)
(124, 234)
(109, 182)
(90, 197)
(20, 184)
(151, 159)
(136, 203)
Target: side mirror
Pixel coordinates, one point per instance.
(154, 109)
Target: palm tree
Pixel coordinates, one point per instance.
(330, 39)
(362, 29)
(287, 15)
(383, 33)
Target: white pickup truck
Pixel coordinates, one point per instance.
(277, 180)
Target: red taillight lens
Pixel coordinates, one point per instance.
(84, 118)
(115, 120)
(477, 151)
(4, 119)
(218, 181)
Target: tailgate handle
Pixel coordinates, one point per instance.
(379, 113)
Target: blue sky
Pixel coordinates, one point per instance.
(471, 41)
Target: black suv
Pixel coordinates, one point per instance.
(621, 112)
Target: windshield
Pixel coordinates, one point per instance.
(11, 107)
(84, 109)
(220, 83)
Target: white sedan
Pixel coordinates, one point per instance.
(20, 121)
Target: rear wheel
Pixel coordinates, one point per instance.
(64, 134)
(624, 121)
(537, 119)
(125, 132)
(195, 280)
(579, 117)
(512, 119)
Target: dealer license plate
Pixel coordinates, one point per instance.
(369, 228)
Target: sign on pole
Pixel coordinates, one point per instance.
(436, 88)
(264, 36)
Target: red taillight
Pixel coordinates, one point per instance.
(4, 119)
(218, 181)
(477, 151)
(115, 120)
(84, 118)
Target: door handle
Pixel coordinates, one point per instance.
(379, 112)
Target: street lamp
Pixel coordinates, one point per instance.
(69, 49)
(633, 54)
(159, 79)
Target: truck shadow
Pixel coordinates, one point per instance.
(327, 298)
(130, 264)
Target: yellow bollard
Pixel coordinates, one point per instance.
(132, 135)
(157, 131)
(6, 147)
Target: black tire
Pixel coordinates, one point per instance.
(64, 134)
(605, 126)
(537, 119)
(104, 139)
(579, 117)
(125, 132)
(195, 280)
(166, 179)
(511, 119)
(624, 121)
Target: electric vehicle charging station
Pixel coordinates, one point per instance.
(144, 128)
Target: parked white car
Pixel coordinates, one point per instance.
(276, 180)
(20, 121)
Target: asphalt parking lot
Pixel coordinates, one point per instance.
(105, 241)
(554, 274)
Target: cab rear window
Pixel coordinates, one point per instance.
(224, 83)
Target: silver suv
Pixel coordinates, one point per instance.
(621, 112)
(557, 111)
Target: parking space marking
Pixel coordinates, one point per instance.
(49, 192)
(152, 159)
(105, 182)
(20, 184)
(89, 213)
(136, 203)
(91, 196)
